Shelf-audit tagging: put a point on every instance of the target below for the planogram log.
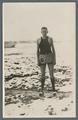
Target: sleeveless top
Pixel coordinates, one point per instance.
(44, 46)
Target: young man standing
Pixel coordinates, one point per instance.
(46, 55)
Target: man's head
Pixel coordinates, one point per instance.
(44, 31)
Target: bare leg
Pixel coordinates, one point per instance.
(42, 67)
(51, 72)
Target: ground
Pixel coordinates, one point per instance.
(22, 86)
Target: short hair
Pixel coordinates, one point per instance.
(44, 28)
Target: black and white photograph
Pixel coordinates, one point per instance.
(39, 62)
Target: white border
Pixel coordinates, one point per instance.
(74, 60)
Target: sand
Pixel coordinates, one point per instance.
(22, 83)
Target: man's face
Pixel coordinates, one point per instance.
(44, 32)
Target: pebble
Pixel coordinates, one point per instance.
(65, 109)
(22, 114)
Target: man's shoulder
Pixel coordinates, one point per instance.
(38, 40)
(50, 39)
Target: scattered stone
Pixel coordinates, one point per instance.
(22, 114)
(18, 67)
(51, 111)
(65, 109)
(16, 63)
(54, 94)
(72, 101)
(69, 83)
(68, 104)
(61, 97)
(19, 106)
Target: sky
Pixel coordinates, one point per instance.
(23, 21)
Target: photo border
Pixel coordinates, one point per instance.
(1, 60)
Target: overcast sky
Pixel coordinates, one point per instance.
(23, 21)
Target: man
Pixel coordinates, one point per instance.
(46, 55)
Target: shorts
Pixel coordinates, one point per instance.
(46, 59)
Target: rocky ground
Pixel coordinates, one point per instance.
(22, 85)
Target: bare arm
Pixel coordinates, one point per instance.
(37, 52)
(53, 49)
(37, 49)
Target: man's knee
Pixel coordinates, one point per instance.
(43, 76)
(51, 75)
(52, 78)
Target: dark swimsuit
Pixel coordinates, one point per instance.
(44, 46)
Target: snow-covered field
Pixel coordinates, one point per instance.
(22, 83)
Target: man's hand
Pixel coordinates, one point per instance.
(38, 62)
(53, 49)
(54, 62)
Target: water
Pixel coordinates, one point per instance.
(65, 52)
